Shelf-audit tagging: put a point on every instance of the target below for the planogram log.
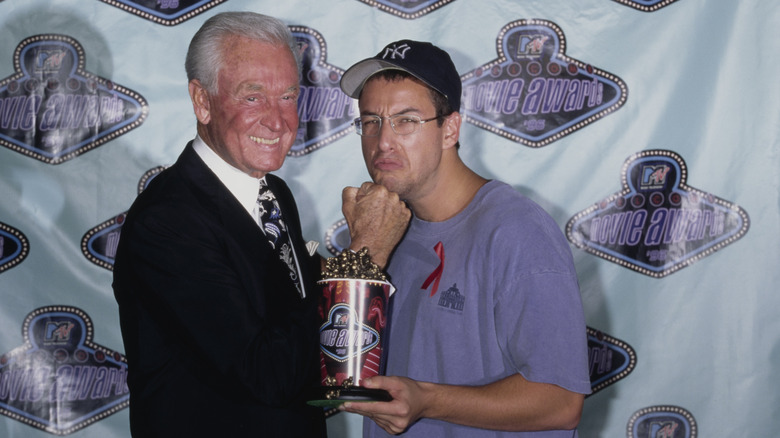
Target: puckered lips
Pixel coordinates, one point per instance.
(387, 164)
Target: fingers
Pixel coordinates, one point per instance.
(394, 416)
(368, 188)
(349, 194)
(384, 414)
(387, 415)
(365, 189)
(377, 219)
(348, 197)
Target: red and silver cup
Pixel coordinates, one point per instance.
(354, 318)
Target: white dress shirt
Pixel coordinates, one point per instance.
(244, 187)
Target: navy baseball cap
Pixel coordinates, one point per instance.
(422, 60)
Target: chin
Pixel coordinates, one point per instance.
(389, 183)
(380, 179)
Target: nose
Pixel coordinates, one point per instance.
(272, 117)
(386, 136)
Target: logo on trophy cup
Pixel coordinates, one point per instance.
(353, 309)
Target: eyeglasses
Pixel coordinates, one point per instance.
(402, 124)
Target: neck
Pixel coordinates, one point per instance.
(454, 190)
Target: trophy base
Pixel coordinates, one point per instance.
(334, 396)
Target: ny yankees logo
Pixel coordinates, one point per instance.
(400, 51)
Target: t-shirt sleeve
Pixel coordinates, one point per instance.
(539, 315)
(542, 330)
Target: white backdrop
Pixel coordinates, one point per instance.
(686, 348)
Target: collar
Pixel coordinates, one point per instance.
(243, 187)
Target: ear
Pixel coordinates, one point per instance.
(451, 130)
(200, 101)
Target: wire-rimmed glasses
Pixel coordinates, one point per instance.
(402, 124)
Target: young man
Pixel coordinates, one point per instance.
(217, 300)
(487, 333)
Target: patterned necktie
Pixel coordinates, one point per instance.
(276, 230)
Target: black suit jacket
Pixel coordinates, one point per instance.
(218, 341)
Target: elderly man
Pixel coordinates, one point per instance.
(214, 281)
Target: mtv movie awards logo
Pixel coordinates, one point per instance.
(14, 247)
(533, 93)
(662, 422)
(99, 243)
(337, 237)
(609, 359)
(646, 5)
(59, 380)
(657, 224)
(324, 111)
(408, 9)
(343, 335)
(167, 12)
(51, 109)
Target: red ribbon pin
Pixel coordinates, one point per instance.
(436, 274)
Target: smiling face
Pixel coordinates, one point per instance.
(406, 164)
(252, 120)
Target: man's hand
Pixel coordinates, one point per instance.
(397, 415)
(509, 404)
(377, 219)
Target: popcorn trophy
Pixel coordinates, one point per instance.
(353, 309)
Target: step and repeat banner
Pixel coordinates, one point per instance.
(649, 129)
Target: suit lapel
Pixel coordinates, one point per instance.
(256, 262)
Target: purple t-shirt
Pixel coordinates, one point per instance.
(507, 302)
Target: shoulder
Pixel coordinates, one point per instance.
(521, 230)
(503, 205)
(175, 200)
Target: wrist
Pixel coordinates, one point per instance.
(379, 259)
(430, 396)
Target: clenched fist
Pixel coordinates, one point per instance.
(377, 219)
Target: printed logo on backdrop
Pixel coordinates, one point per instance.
(646, 5)
(662, 422)
(14, 247)
(533, 93)
(167, 12)
(337, 237)
(609, 359)
(408, 9)
(324, 111)
(59, 380)
(99, 243)
(53, 110)
(657, 224)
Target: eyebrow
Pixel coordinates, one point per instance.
(403, 111)
(259, 87)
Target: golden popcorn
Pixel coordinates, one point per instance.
(350, 264)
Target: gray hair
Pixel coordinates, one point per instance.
(204, 56)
